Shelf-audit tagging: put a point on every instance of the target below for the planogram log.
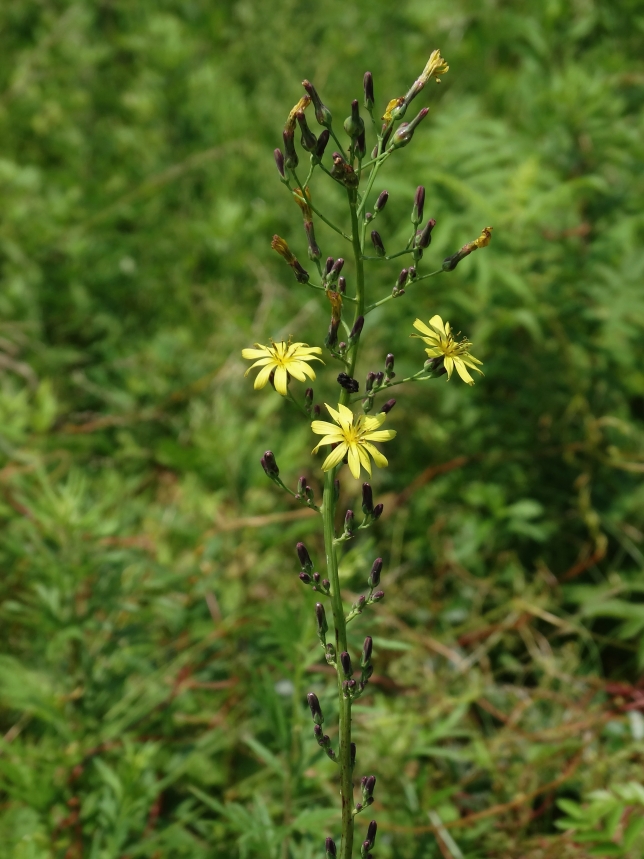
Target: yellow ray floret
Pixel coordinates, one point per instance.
(442, 343)
(353, 435)
(286, 359)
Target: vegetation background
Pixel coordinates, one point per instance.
(156, 642)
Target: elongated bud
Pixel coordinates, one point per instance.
(322, 113)
(321, 145)
(370, 380)
(379, 378)
(412, 274)
(405, 131)
(418, 207)
(381, 202)
(348, 522)
(301, 486)
(320, 616)
(364, 850)
(317, 411)
(378, 596)
(367, 499)
(305, 558)
(374, 576)
(388, 406)
(345, 662)
(367, 649)
(269, 465)
(356, 331)
(331, 852)
(305, 578)
(345, 381)
(402, 279)
(314, 250)
(281, 247)
(309, 493)
(332, 336)
(368, 788)
(377, 511)
(377, 243)
(334, 272)
(328, 265)
(368, 91)
(371, 833)
(316, 711)
(279, 163)
(308, 140)
(291, 159)
(425, 237)
(361, 145)
(353, 124)
(342, 285)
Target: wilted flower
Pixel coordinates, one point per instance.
(353, 435)
(287, 359)
(443, 344)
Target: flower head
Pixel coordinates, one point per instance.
(436, 66)
(286, 359)
(353, 435)
(443, 344)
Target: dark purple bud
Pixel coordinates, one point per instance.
(388, 406)
(367, 649)
(380, 376)
(402, 279)
(316, 578)
(361, 145)
(334, 272)
(345, 381)
(369, 786)
(305, 558)
(331, 852)
(368, 91)
(309, 493)
(305, 578)
(353, 124)
(322, 113)
(316, 711)
(348, 522)
(351, 684)
(342, 347)
(377, 243)
(345, 662)
(326, 584)
(313, 249)
(356, 331)
(374, 576)
(377, 511)
(367, 499)
(370, 380)
(389, 363)
(291, 159)
(323, 139)
(412, 273)
(301, 486)
(425, 236)
(332, 336)
(359, 807)
(368, 217)
(269, 465)
(318, 733)
(308, 140)
(279, 162)
(342, 285)
(378, 596)
(418, 207)
(320, 616)
(359, 603)
(353, 755)
(371, 833)
(381, 202)
(317, 411)
(364, 849)
(328, 265)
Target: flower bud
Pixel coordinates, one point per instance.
(388, 406)
(424, 238)
(377, 511)
(389, 366)
(364, 849)
(367, 499)
(320, 616)
(328, 265)
(405, 131)
(381, 202)
(368, 787)
(331, 852)
(314, 250)
(317, 411)
(367, 649)
(345, 662)
(305, 558)
(279, 163)
(321, 145)
(370, 380)
(342, 285)
(326, 585)
(374, 576)
(356, 331)
(377, 243)
(345, 381)
(418, 207)
(334, 272)
(308, 139)
(380, 376)
(316, 711)
(353, 124)
(316, 578)
(361, 145)
(332, 336)
(301, 486)
(291, 159)
(305, 578)
(371, 833)
(322, 113)
(368, 91)
(349, 522)
(342, 347)
(343, 172)
(378, 596)
(402, 279)
(269, 465)
(359, 604)
(309, 494)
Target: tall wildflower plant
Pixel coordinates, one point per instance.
(356, 422)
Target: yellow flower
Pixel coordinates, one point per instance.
(353, 435)
(287, 359)
(442, 343)
(436, 66)
(395, 102)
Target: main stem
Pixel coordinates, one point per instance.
(328, 512)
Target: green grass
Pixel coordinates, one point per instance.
(157, 644)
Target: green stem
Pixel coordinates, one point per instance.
(389, 297)
(313, 208)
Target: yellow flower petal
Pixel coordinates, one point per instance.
(335, 457)
(281, 381)
(354, 461)
(263, 377)
(420, 326)
(380, 435)
(255, 353)
(330, 439)
(378, 458)
(364, 459)
(323, 427)
(461, 369)
(372, 422)
(437, 322)
(449, 366)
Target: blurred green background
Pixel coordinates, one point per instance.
(156, 642)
